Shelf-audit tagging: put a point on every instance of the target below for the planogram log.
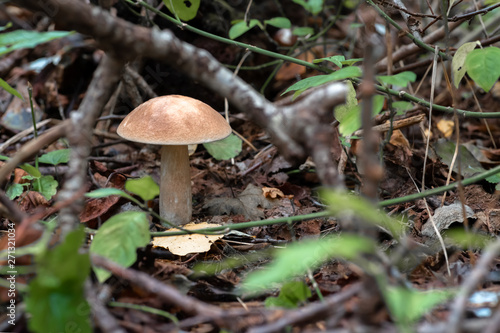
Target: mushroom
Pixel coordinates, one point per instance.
(174, 122)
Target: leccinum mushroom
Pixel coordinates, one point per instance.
(174, 122)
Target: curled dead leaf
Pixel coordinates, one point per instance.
(273, 193)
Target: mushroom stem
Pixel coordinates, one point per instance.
(175, 187)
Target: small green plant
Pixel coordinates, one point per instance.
(291, 295)
(184, 10)
(240, 26)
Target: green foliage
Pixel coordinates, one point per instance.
(337, 60)
(458, 67)
(56, 157)
(408, 305)
(9, 89)
(401, 79)
(224, 149)
(240, 27)
(23, 39)
(15, 190)
(302, 31)
(46, 186)
(183, 9)
(106, 192)
(279, 22)
(482, 66)
(314, 81)
(349, 114)
(312, 6)
(401, 107)
(297, 258)
(118, 239)
(292, 293)
(55, 298)
(341, 203)
(144, 187)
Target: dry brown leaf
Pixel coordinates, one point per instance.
(446, 127)
(192, 243)
(273, 193)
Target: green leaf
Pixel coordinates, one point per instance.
(106, 192)
(118, 239)
(302, 31)
(185, 9)
(7, 26)
(279, 22)
(469, 165)
(297, 258)
(144, 187)
(31, 170)
(458, 67)
(401, 79)
(314, 81)
(241, 27)
(349, 114)
(482, 66)
(14, 190)
(22, 39)
(55, 298)
(408, 305)
(312, 6)
(291, 295)
(350, 62)
(341, 203)
(56, 157)
(46, 185)
(401, 107)
(224, 149)
(9, 89)
(337, 60)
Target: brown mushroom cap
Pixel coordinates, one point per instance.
(174, 120)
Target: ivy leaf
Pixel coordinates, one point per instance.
(46, 185)
(56, 157)
(185, 9)
(279, 22)
(144, 187)
(401, 79)
(314, 81)
(55, 298)
(482, 66)
(14, 190)
(224, 149)
(458, 67)
(118, 239)
(241, 27)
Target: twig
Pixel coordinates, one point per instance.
(314, 311)
(79, 135)
(163, 291)
(473, 279)
(31, 148)
(102, 317)
(24, 133)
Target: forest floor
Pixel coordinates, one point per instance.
(382, 291)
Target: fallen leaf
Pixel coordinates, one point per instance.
(247, 203)
(191, 243)
(446, 127)
(273, 193)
